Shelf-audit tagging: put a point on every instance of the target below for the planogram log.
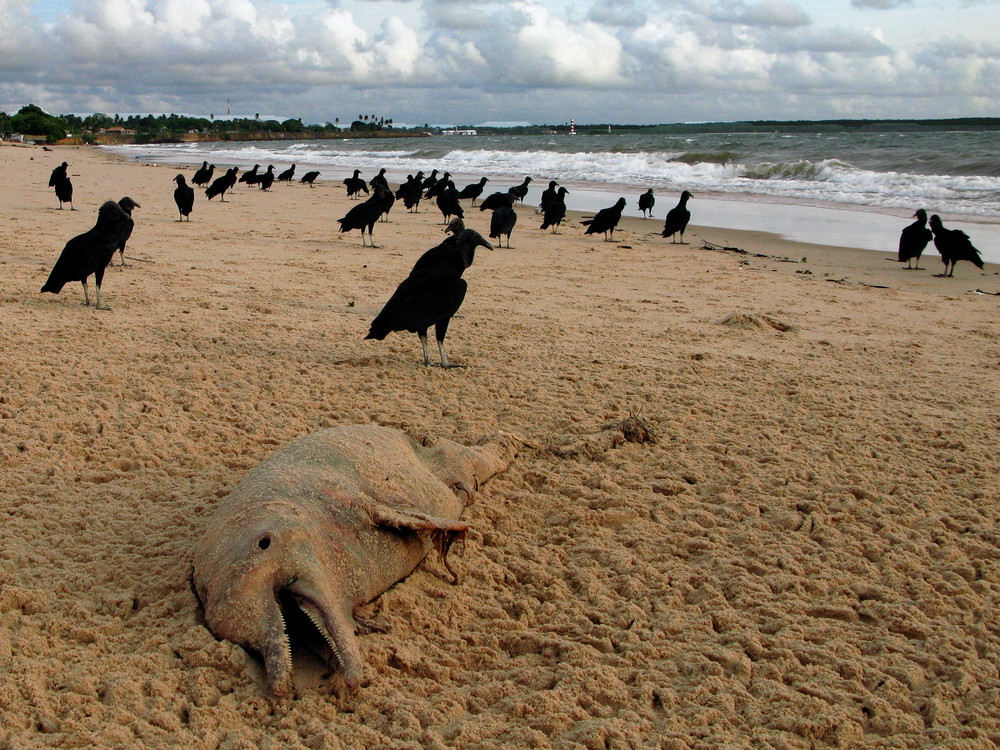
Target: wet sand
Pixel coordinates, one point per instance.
(826, 223)
(807, 557)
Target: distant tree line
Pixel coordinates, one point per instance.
(371, 123)
(32, 120)
(793, 126)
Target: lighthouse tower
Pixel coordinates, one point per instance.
(572, 127)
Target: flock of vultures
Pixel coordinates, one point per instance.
(434, 289)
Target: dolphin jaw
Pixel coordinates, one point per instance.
(336, 629)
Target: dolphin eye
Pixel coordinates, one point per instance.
(264, 542)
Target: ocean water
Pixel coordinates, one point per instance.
(860, 189)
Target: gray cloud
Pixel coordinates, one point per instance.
(880, 4)
(766, 13)
(859, 42)
(474, 60)
(621, 13)
(458, 14)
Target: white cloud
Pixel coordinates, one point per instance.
(689, 62)
(549, 51)
(345, 42)
(396, 49)
(433, 60)
(183, 16)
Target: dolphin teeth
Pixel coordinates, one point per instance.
(286, 643)
(310, 611)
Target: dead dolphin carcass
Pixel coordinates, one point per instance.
(325, 525)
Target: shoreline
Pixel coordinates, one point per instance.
(870, 228)
(751, 212)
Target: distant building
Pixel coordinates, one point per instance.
(24, 138)
(459, 131)
(504, 124)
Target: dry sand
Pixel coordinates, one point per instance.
(807, 558)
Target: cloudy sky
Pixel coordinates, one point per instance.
(469, 61)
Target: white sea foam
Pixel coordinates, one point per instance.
(831, 180)
(788, 184)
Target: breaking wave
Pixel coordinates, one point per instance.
(785, 169)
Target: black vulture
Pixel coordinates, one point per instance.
(385, 197)
(434, 255)
(411, 191)
(433, 188)
(267, 179)
(63, 185)
(549, 196)
(555, 212)
(251, 176)
(287, 175)
(521, 191)
(405, 186)
(606, 220)
(58, 173)
(91, 252)
(646, 201)
(309, 178)
(64, 192)
(495, 200)
(222, 184)
(203, 176)
(677, 219)
(355, 185)
(126, 204)
(954, 245)
(430, 296)
(474, 190)
(448, 203)
(430, 182)
(183, 197)
(379, 179)
(363, 216)
(913, 239)
(503, 220)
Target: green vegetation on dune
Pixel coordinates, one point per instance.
(31, 120)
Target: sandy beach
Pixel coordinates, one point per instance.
(807, 557)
